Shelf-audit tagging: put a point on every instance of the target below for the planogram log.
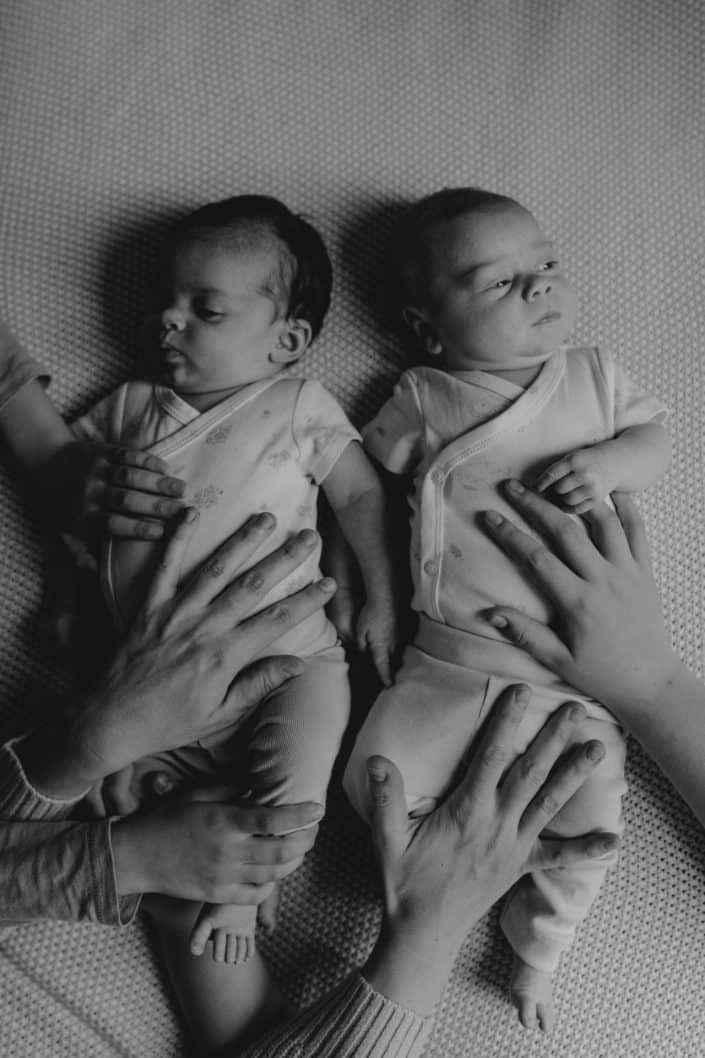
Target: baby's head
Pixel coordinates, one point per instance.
(247, 288)
(480, 283)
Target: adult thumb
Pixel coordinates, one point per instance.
(530, 635)
(253, 684)
(388, 812)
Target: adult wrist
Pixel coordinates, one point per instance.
(128, 861)
(410, 963)
(56, 764)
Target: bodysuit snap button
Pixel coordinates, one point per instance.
(430, 566)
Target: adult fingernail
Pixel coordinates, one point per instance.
(595, 751)
(496, 620)
(264, 520)
(327, 584)
(308, 537)
(191, 515)
(515, 486)
(493, 518)
(376, 774)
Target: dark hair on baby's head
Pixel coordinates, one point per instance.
(409, 243)
(303, 280)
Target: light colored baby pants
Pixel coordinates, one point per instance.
(426, 724)
(289, 746)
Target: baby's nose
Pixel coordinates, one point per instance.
(537, 286)
(172, 319)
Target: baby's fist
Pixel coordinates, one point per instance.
(579, 480)
(377, 630)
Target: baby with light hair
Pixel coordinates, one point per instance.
(498, 397)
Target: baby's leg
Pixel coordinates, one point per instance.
(545, 908)
(224, 1004)
(424, 723)
(294, 741)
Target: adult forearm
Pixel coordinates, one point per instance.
(410, 969)
(671, 729)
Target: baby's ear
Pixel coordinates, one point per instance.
(422, 330)
(293, 342)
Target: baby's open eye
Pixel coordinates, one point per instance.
(547, 266)
(500, 284)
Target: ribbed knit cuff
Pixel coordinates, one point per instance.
(352, 1021)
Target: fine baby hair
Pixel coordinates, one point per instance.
(302, 285)
(408, 249)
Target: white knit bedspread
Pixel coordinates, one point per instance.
(115, 115)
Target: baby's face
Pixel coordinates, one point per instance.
(495, 290)
(221, 327)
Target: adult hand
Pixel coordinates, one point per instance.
(608, 638)
(201, 846)
(185, 670)
(127, 492)
(441, 878)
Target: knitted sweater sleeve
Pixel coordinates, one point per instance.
(351, 1021)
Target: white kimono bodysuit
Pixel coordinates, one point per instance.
(459, 434)
(267, 447)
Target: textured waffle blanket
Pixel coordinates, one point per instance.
(115, 115)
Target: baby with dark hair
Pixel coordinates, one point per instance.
(498, 396)
(246, 288)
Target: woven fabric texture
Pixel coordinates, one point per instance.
(117, 114)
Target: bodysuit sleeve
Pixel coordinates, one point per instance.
(321, 430)
(395, 436)
(632, 406)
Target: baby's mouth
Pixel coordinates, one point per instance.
(548, 317)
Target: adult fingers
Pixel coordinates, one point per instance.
(294, 826)
(557, 853)
(388, 813)
(252, 637)
(137, 471)
(242, 596)
(568, 535)
(633, 527)
(567, 777)
(535, 638)
(129, 528)
(166, 579)
(218, 570)
(554, 578)
(529, 772)
(126, 501)
(495, 748)
(608, 534)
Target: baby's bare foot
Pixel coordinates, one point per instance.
(532, 995)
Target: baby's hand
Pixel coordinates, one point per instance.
(581, 479)
(128, 491)
(377, 629)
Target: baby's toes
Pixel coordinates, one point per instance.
(527, 1010)
(546, 1016)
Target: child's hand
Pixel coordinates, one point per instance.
(342, 610)
(129, 492)
(581, 479)
(377, 629)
